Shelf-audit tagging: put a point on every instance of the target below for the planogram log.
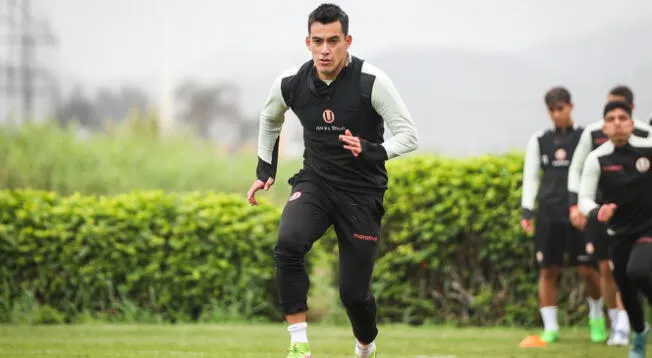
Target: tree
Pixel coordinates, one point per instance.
(207, 106)
(77, 108)
(107, 104)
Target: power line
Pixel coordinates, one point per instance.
(23, 80)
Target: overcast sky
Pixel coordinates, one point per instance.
(110, 40)
(135, 42)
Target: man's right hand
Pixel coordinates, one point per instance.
(577, 218)
(527, 226)
(257, 185)
(606, 212)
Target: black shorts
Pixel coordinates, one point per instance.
(555, 239)
(622, 245)
(597, 240)
(314, 205)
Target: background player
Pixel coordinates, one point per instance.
(620, 170)
(597, 240)
(551, 151)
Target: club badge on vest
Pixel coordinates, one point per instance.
(561, 158)
(329, 117)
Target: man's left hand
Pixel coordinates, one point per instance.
(351, 143)
(577, 219)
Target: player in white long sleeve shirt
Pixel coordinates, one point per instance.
(549, 152)
(620, 171)
(597, 240)
(343, 104)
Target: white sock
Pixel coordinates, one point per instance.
(549, 316)
(595, 308)
(298, 332)
(363, 352)
(623, 322)
(613, 317)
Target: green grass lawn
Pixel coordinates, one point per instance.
(239, 341)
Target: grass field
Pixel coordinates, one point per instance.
(270, 341)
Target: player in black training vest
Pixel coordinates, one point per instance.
(597, 240)
(343, 104)
(550, 152)
(620, 170)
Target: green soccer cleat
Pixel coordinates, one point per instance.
(550, 336)
(598, 328)
(639, 340)
(299, 350)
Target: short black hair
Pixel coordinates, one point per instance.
(610, 106)
(625, 92)
(556, 95)
(328, 13)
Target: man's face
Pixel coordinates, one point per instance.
(618, 125)
(329, 46)
(560, 113)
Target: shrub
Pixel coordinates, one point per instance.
(177, 256)
(452, 249)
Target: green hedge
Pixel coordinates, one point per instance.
(162, 257)
(453, 251)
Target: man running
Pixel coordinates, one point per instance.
(620, 171)
(597, 240)
(551, 151)
(343, 104)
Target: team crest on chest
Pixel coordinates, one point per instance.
(328, 116)
(643, 164)
(561, 158)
